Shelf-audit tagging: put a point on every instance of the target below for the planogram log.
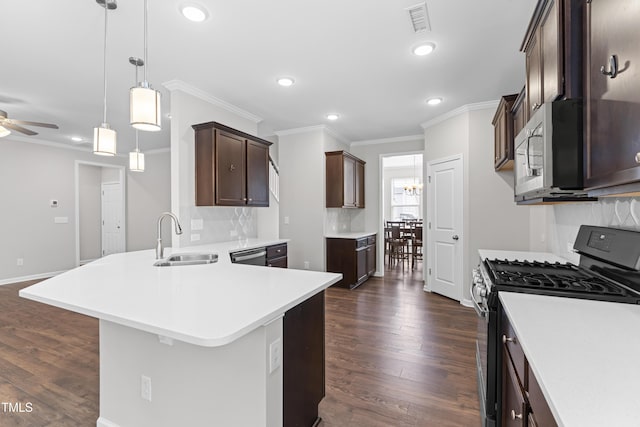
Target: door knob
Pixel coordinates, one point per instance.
(455, 237)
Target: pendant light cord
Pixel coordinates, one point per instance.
(104, 70)
(146, 11)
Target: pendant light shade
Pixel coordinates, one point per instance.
(145, 107)
(4, 131)
(144, 101)
(104, 138)
(136, 161)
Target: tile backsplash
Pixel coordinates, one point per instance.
(220, 224)
(607, 212)
(338, 220)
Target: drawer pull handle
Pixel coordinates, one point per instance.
(638, 157)
(506, 339)
(514, 415)
(612, 72)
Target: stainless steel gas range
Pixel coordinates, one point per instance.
(609, 270)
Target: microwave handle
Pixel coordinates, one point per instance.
(527, 161)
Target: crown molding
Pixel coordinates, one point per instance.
(461, 110)
(308, 129)
(198, 93)
(387, 140)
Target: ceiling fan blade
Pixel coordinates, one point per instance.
(24, 122)
(17, 128)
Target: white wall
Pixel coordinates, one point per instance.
(369, 219)
(302, 200)
(90, 210)
(220, 223)
(148, 195)
(491, 218)
(32, 174)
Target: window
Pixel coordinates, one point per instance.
(403, 205)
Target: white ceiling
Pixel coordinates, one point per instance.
(347, 56)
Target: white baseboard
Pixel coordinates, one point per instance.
(103, 422)
(466, 303)
(31, 277)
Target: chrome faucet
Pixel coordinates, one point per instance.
(159, 248)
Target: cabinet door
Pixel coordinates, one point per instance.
(534, 77)
(257, 174)
(551, 48)
(204, 167)
(359, 185)
(230, 169)
(514, 408)
(612, 102)
(361, 264)
(518, 113)
(371, 259)
(349, 179)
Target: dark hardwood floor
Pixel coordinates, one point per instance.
(396, 356)
(48, 357)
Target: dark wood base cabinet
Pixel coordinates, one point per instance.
(277, 256)
(523, 404)
(303, 361)
(354, 258)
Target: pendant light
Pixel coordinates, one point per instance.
(144, 101)
(136, 158)
(104, 138)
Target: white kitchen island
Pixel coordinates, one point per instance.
(207, 337)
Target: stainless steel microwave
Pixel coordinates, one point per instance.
(548, 153)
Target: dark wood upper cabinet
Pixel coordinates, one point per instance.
(344, 180)
(232, 167)
(612, 96)
(554, 52)
(504, 133)
(519, 112)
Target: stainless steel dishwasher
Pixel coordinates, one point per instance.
(255, 256)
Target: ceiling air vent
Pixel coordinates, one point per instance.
(419, 17)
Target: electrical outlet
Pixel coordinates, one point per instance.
(195, 237)
(20, 262)
(197, 224)
(306, 265)
(286, 220)
(145, 387)
(275, 355)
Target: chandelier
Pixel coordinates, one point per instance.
(415, 188)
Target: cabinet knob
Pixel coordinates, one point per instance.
(232, 167)
(612, 72)
(250, 199)
(506, 339)
(514, 415)
(535, 106)
(638, 157)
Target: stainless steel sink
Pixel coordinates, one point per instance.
(187, 259)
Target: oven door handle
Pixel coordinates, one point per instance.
(477, 307)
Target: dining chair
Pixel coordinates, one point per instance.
(416, 246)
(399, 250)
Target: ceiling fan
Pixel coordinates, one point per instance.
(7, 125)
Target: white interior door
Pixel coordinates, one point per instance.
(113, 236)
(444, 228)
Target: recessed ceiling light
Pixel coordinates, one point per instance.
(423, 49)
(434, 101)
(194, 12)
(76, 139)
(333, 116)
(285, 81)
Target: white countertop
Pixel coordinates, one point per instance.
(585, 355)
(207, 305)
(349, 235)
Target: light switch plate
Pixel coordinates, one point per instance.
(195, 237)
(197, 224)
(61, 220)
(275, 355)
